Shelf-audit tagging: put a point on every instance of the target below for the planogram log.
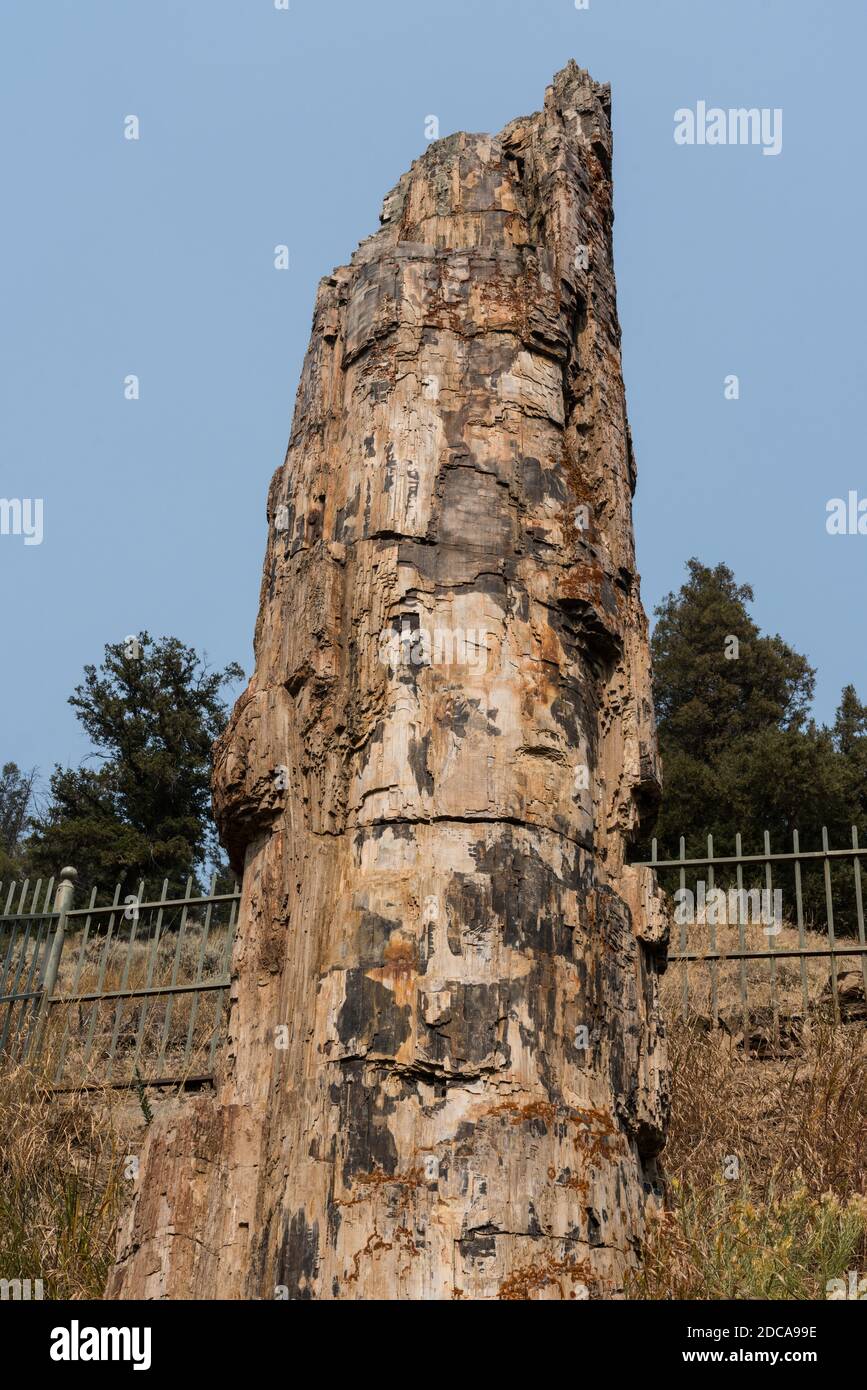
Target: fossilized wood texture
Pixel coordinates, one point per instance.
(434, 904)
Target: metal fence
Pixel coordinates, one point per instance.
(790, 970)
(133, 992)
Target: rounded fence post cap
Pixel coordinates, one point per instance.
(69, 872)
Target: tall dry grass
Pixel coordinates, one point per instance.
(64, 1157)
(793, 1217)
(167, 1035)
(786, 980)
(61, 1185)
(765, 1169)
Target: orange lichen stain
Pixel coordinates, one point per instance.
(533, 1110)
(399, 968)
(523, 1283)
(373, 1183)
(598, 1134)
(379, 1178)
(590, 584)
(399, 954)
(576, 1184)
(374, 1243)
(582, 494)
(583, 581)
(405, 1239)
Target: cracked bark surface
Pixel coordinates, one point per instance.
(432, 827)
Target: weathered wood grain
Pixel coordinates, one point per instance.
(445, 1075)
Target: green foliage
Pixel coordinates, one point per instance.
(739, 752)
(152, 710)
(850, 738)
(720, 1244)
(16, 799)
(705, 699)
(144, 1103)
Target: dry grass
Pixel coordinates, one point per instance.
(727, 974)
(64, 1158)
(170, 1034)
(160, 1035)
(765, 1168)
(794, 1216)
(61, 1186)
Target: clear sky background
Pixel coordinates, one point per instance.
(261, 127)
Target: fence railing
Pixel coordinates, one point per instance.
(136, 990)
(796, 968)
(120, 994)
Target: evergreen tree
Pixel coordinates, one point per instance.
(716, 678)
(850, 739)
(740, 754)
(152, 711)
(850, 726)
(16, 798)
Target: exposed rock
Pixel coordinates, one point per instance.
(433, 776)
(767, 1035)
(850, 997)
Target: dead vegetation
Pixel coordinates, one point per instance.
(764, 982)
(87, 1042)
(767, 1190)
(62, 1181)
(764, 1165)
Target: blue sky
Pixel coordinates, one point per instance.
(260, 126)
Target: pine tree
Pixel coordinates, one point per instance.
(739, 751)
(16, 799)
(152, 711)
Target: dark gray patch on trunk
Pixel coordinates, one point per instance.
(344, 515)
(365, 1138)
(468, 909)
(480, 1244)
(471, 1039)
(526, 895)
(417, 753)
(370, 1019)
(298, 1258)
(373, 934)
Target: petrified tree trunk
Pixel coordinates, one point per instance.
(444, 1075)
